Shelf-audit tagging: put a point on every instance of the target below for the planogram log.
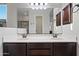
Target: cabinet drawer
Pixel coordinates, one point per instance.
(39, 45)
(39, 53)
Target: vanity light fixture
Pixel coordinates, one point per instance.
(41, 6)
(38, 4)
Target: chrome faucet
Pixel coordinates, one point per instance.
(23, 35)
(55, 35)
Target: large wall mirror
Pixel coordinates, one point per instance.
(35, 21)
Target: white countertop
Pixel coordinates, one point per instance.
(39, 38)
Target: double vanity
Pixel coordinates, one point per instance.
(40, 45)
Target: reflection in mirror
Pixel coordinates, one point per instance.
(37, 18)
(35, 21)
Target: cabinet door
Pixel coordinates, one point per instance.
(65, 49)
(14, 49)
(39, 49)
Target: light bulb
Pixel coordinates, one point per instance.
(36, 8)
(45, 3)
(36, 4)
(41, 8)
(33, 8)
(31, 4)
(44, 8)
(41, 3)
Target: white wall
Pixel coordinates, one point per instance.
(76, 27)
(11, 15)
(70, 31)
(7, 34)
(65, 29)
(45, 20)
(1, 50)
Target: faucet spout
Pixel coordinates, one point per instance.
(55, 35)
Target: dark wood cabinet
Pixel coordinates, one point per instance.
(40, 49)
(65, 49)
(14, 49)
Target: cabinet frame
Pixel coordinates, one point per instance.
(42, 49)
